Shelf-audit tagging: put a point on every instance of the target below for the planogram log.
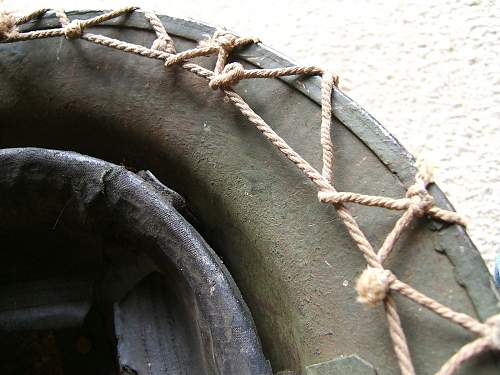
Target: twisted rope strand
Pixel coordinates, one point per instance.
(31, 16)
(394, 235)
(461, 319)
(335, 197)
(328, 80)
(108, 16)
(233, 73)
(465, 353)
(190, 54)
(398, 337)
(375, 283)
(125, 46)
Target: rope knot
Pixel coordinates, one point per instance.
(163, 44)
(493, 324)
(373, 285)
(73, 30)
(7, 25)
(417, 189)
(225, 39)
(421, 200)
(220, 39)
(230, 76)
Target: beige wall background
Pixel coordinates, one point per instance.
(429, 71)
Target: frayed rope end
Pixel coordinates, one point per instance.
(7, 25)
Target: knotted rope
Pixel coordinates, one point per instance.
(375, 284)
(73, 30)
(222, 42)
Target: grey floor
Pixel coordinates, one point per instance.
(429, 71)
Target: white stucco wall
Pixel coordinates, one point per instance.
(427, 70)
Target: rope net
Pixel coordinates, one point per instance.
(376, 283)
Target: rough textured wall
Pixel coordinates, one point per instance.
(427, 70)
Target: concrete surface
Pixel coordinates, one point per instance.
(428, 71)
